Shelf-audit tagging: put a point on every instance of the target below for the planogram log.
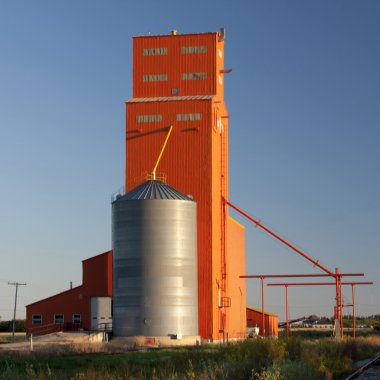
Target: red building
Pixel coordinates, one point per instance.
(255, 319)
(86, 306)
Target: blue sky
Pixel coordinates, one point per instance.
(304, 108)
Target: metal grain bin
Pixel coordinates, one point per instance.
(154, 262)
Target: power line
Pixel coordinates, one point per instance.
(16, 284)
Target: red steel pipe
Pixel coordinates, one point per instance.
(291, 246)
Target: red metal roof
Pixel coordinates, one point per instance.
(260, 311)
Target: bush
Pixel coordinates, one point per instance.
(289, 370)
(6, 326)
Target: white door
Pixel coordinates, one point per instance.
(101, 312)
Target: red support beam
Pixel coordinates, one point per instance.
(300, 275)
(339, 298)
(287, 313)
(338, 314)
(262, 307)
(318, 283)
(353, 311)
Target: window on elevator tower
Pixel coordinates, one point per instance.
(188, 116)
(155, 51)
(194, 76)
(148, 118)
(155, 77)
(194, 49)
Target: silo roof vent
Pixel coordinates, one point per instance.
(154, 190)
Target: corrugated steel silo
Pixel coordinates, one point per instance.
(155, 290)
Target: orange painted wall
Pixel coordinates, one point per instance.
(196, 158)
(254, 318)
(187, 164)
(236, 314)
(175, 63)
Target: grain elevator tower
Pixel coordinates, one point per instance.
(178, 80)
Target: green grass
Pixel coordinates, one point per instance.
(269, 359)
(7, 338)
(327, 333)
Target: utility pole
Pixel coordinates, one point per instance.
(16, 284)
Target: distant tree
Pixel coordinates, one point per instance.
(313, 318)
(324, 321)
(6, 326)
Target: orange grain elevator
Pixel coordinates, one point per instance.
(178, 80)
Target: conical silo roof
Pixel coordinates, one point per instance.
(153, 189)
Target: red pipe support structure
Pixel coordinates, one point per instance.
(300, 275)
(319, 283)
(340, 318)
(336, 275)
(338, 314)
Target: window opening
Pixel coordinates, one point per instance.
(155, 51)
(155, 77)
(36, 319)
(194, 76)
(58, 318)
(188, 116)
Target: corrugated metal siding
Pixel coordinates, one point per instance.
(174, 64)
(66, 303)
(192, 163)
(219, 189)
(219, 78)
(195, 158)
(217, 280)
(236, 315)
(254, 318)
(155, 267)
(187, 164)
(97, 275)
